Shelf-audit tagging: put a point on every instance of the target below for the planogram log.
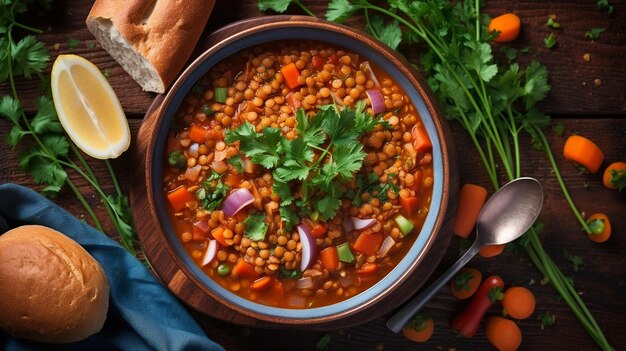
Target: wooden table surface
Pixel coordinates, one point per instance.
(587, 98)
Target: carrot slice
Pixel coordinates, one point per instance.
(261, 283)
(409, 206)
(330, 258)
(368, 242)
(491, 250)
(291, 75)
(584, 152)
(614, 176)
(197, 133)
(508, 25)
(421, 141)
(471, 200)
(417, 183)
(318, 230)
(179, 197)
(600, 227)
(368, 269)
(244, 269)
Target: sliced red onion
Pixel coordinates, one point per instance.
(192, 173)
(236, 200)
(193, 150)
(348, 227)
(220, 155)
(337, 100)
(309, 251)
(376, 99)
(365, 66)
(360, 224)
(211, 252)
(202, 227)
(219, 166)
(387, 244)
(304, 283)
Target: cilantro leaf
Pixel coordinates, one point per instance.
(549, 41)
(603, 5)
(310, 132)
(594, 33)
(15, 135)
(282, 189)
(289, 217)
(256, 227)
(73, 43)
(46, 119)
(29, 56)
(340, 10)
(275, 5)
(536, 85)
(389, 34)
(479, 60)
(212, 192)
(43, 169)
(57, 144)
(260, 147)
(11, 109)
(237, 162)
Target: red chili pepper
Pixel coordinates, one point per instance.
(467, 322)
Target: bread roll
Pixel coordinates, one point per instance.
(51, 289)
(152, 40)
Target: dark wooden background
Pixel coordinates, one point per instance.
(587, 98)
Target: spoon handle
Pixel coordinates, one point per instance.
(402, 317)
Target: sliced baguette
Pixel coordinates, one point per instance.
(151, 39)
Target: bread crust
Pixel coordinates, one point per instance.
(165, 32)
(51, 289)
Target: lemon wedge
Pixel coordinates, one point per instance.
(88, 108)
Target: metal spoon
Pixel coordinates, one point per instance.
(505, 217)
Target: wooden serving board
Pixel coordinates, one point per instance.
(168, 270)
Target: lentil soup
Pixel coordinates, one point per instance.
(297, 174)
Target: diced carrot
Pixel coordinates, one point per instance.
(218, 234)
(417, 183)
(491, 250)
(213, 134)
(244, 269)
(367, 269)
(368, 242)
(261, 283)
(198, 133)
(179, 198)
(584, 152)
(330, 258)
(232, 180)
(471, 200)
(318, 230)
(409, 206)
(277, 289)
(421, 141)
(291, 75)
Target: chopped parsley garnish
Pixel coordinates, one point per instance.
(212, 192)
(256, 227)
(317, 164)
(594, 33)
(549, 41)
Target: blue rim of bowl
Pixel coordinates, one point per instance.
(323, 36)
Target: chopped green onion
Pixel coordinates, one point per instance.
(223, 269)
(404, 224)
(220, 94)
(344, 253)
(207, 110)
(177, 159)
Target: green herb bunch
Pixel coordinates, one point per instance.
(46, 152)
(315, 166)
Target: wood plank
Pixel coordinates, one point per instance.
(573, 89)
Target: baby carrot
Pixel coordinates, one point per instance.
(508, 25)
(471, 200)
(584, 152)
(600, 227)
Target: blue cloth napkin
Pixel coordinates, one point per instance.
(143, 315)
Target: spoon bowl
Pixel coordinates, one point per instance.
(507, 215)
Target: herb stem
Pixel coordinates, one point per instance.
(28, 28)
(87, 207)
(557, 173)
(304, 8)
(118, 189)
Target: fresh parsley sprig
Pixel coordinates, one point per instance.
(47, 153)
(314, 167)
